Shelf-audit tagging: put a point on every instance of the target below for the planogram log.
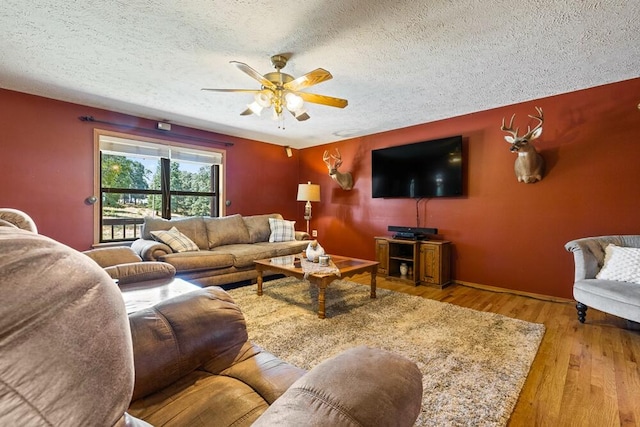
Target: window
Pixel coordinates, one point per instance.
(141, 177)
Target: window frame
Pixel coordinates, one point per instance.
(97, 184)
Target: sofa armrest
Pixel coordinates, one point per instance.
(362, 386)
(588, 252)
(180, 334)
(150, 250)
(135, 272)
(110, 256)
(19, 219)
(302, 235)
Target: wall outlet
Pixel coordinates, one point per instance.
(314, 233)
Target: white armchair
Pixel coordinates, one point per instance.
(620, 298)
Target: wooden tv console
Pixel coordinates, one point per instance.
(428, 261)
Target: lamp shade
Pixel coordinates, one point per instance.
(308, 192)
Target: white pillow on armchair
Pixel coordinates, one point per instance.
(621, 264)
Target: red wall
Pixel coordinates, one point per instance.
(505, 233)
(46, 165)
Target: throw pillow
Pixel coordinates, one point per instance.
(621, 264)
(281, 230)
(193, 227)
(177, 241)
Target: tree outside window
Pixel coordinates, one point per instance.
(132, 174)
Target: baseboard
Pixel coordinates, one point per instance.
(514, 292)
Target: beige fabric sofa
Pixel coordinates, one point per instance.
(227, 246)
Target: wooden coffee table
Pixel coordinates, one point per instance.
(292, 266)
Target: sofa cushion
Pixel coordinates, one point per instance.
(282, 230)
(177, 241)
(192, 227)
(201, 260)
(201, 399)
(226, 230)
(293, 247)
(258, 226)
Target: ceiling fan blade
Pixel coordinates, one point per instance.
(253, 74)
(232, 90)
(324, 100)
(314, 77)
(301, 117)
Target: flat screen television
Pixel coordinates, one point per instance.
(419, 170)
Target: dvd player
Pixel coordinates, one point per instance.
(411, 233)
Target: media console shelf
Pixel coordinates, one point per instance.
(428, 261)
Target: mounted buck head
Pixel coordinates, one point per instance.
(344, 180)
(529, 165)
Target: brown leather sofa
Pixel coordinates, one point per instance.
(68, 353)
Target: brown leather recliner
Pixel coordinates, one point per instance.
(10, 217)
(68, 352)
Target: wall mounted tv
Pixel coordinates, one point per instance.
(419, 170)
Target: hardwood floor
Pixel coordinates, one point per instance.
(583, 375)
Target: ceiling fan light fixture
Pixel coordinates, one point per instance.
(280, 91)
(293, 102)
(255, 108)
(264, 98)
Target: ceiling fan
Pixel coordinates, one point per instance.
(281, 91)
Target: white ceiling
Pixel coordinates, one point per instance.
(398, 62)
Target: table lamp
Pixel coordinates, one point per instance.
(308, 193)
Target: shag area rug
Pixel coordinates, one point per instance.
(474, 364)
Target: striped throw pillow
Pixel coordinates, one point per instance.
(177, 241)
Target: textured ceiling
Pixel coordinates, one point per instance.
(398, 62)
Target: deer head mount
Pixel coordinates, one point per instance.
(333, 162)
(529, 166)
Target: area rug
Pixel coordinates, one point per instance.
(474, 364)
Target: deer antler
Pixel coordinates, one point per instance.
(531, 133)
(325, 158)
(510, 130)
(337, 158)
(536, 131)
